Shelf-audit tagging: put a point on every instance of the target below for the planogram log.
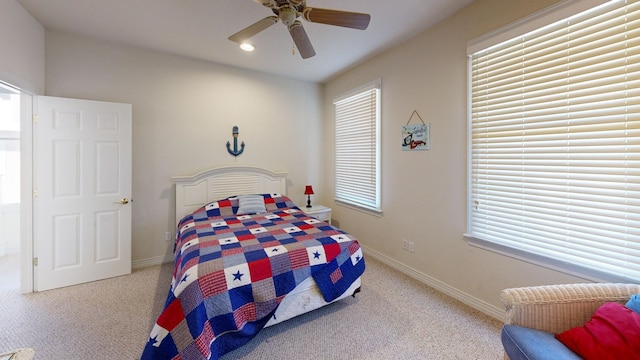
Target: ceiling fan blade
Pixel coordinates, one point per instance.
(301, 40)
(251, 30)
(348, 19)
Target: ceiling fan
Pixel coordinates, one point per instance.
(288, 12)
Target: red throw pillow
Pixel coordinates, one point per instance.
(612, 333)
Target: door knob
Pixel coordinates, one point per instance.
(124, 201)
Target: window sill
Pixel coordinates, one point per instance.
(360, 208)
(549, 263)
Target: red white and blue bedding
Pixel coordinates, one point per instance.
(231, 272)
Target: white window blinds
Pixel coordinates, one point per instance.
(357, 176)
(555, 142)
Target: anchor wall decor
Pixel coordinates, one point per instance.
(235, 151)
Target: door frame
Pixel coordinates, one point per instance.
(26, 191)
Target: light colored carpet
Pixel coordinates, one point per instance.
(107, 319)
(394, 317)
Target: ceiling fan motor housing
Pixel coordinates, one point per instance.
(287, 15)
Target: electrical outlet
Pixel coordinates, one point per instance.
(405, 244)
(167, 236)
(412, 247)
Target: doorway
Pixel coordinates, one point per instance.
(10, 239)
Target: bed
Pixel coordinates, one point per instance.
(246, 257)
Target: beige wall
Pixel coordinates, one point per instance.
(424, 193)
(184, 109)
(183, 114)
(22, 44)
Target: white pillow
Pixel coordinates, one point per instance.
(250, 204)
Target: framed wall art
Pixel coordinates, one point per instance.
(415, 136)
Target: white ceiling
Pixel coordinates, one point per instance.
(199, 29)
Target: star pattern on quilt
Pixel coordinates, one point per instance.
(341, 238)
(316, 255)
(238, 275)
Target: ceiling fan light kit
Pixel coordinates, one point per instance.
(288, 12)
(247, 47)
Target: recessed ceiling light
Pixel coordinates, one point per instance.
(247, 47)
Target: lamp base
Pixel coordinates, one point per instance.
(308, 201)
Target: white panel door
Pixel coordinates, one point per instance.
(82, 191)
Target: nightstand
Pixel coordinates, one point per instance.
(319, 212)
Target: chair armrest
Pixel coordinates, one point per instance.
(557, 308)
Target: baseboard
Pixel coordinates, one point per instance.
(158, 260)
(480, 305)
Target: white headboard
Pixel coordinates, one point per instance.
(197, 190)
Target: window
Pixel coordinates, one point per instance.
(357, 176)
(555, 144)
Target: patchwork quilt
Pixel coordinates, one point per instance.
(231, 272)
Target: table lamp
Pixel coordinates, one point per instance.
(308, 190)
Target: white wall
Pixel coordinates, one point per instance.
(22, 44)
(424, 193)
(183, 114)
